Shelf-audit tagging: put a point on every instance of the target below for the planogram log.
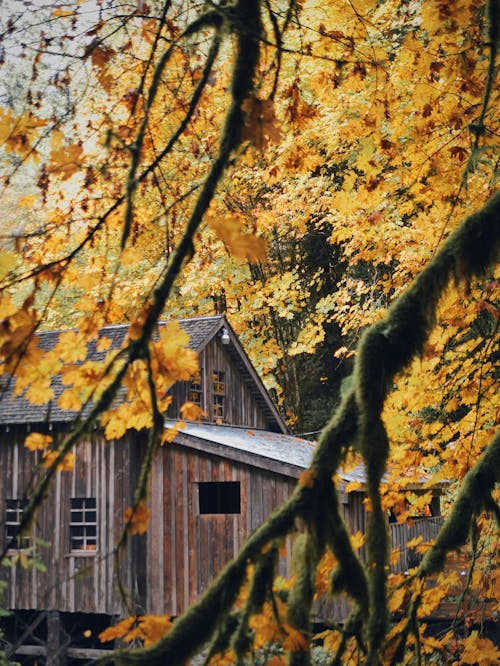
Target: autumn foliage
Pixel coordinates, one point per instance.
(326, 173)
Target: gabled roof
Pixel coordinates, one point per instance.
(276, 452)
(200, 330)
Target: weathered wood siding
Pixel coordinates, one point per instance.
(241, 407)
(187, 549)
(73, 582)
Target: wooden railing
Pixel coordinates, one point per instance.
(427, 528)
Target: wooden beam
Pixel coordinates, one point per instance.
(73, 653)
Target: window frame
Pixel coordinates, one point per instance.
(86, 541)
(219, 394)
(15, 541)
(195, 390)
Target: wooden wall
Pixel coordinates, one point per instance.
(83, 582)
(241, 407)
(185, 549)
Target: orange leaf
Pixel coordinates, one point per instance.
(261, 126)
(307, 478)
(118, 630)
(137, 519)
(295, 639)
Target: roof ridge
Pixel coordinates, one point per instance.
(120, 326)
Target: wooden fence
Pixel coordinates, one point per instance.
(401, 534)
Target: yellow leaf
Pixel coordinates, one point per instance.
(7, 262)
(396, 599)
(353, 486)
(358, 540)
(35, 441)
(19, 133)
(65, 159)
(66, 465)
(171, 433)
(70, 401)
(479, 651)
(413, 543)
(103, 344)
(192, 412)
(176, 360)
(71, 347)
(242, 246)
(40, 392)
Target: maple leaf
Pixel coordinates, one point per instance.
(192, 412)
(153, 627)
(69, 400)
(19, 133)
(36, 441)
(40, 392)
(241, 245)
(178, 362)
(479, 650)
(65, 159)
(100, 57)
(261, 125)
(67, 464)
(169, 434)
(71, 347)
(396, 599)
(118, 630)
(137, 519)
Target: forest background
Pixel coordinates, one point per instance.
(296, 165)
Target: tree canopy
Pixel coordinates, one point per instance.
(326, 174)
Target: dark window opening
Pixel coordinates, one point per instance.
(219, 497)
(13, 518)
(83, 523)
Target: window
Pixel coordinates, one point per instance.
(219, 394)
(83, 523)
(195, 392)
(13, 517)
(219, 497)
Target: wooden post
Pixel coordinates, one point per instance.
(57, 640)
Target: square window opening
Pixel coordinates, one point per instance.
(220, 497)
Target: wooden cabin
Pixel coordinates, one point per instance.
(210, 488)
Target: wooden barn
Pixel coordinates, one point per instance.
(210, 488)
